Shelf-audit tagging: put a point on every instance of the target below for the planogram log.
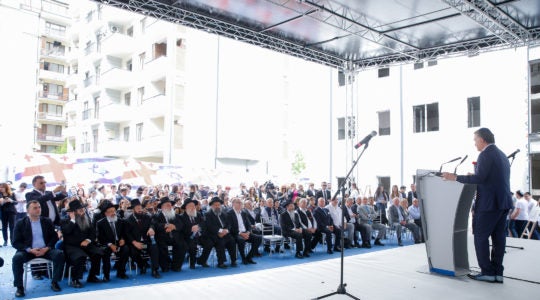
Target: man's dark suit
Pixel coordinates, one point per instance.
(43, 199)
(326, 195)
(288, 226)
(136, 230)
(324, 220)
(192, 238)
(107, 236)
(213, 225)
(174, 238)
(76, 254)
(493, 200)
(22, 240)
(410, 196)
(254, 239)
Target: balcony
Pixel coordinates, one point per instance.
(117, 78)
(52, 76)
(51, 118)
(53, 98)
(156, 68)
(154, 106)
(61, 35)
(56, 53)
(149, 146)
(115, 113)
(46, 138)
(118, 45)
(114, 148)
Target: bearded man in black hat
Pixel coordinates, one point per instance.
(291, 227)
(111, 235)
(192, 220)
(218, 233)
(140, 236)
(80, 243)
(169, 232)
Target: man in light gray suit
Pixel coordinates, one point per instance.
(398, 219)
(366, 215)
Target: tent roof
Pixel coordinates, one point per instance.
(358, 34)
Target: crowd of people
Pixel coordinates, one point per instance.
(161, 226)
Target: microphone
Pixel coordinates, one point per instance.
(453, 160)
(455, 170)
(513, 155)
(365, 140)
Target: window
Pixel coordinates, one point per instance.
(86, 111)
(129, 31)
(384, 72)
(129, 65)
(53, 67)
(384, 122)
(159, 49)
(142, 57)
(96, 107)
(140, 95)
(341, 129)
(426, 117)
(139, 132)
(85, 145)
(473, 112)
(55, 48)
(55, 29)
(95, 135)
(127, 98)
(126, 134)
(418, 65)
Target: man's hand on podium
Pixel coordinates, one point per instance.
(449, 176)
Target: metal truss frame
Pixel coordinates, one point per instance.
(507, 33)
(494, 20)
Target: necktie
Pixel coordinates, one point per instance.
(114, 231)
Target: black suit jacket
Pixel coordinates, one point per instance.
(287, 224)
(187, 224)
(136, 232)
(304, 217)
(158, 222)
(233, 221)
(73, 235)
(322, 217)
(43, 199)
(213, 225)
(321, 194)
(105, 232)
(22, 234)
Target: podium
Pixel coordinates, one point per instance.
(445, 207)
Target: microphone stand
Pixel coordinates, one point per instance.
(341, 287)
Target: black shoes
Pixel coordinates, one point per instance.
(122, 276)
(234, 264)
(105, 279)
(203, 264)
(143, 269)
(366, 245)
(298, 255)
(19, 292)
(176, 270)
(94, 279)
(76, 284)
(55, 287)
(222, 266)
(378, 243)
(156, 274)
(306, 254)
(329, 251)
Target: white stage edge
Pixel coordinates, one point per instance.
(399, 273)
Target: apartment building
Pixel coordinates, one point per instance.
(127, 86)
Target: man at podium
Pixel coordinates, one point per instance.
(493, 201)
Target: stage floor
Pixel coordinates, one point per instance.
(399, 273)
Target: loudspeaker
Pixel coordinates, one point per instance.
(341, 78)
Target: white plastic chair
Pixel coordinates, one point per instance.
(37, 264)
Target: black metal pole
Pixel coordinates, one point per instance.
(341, 290)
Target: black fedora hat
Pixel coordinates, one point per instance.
(215, 199)
(165, 200)
(286, 203)
(188, 201)
(134, 203)
(74, 205)
(108, 205)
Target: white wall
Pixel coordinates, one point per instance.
(498, 78)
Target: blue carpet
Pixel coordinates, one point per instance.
(41, 288)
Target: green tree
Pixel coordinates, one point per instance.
(62, 149)
(298, 165)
